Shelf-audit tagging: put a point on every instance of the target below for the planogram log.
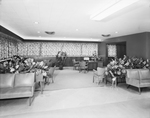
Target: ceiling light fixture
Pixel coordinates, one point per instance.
(50, 33)
(105, 35)
(112, 7)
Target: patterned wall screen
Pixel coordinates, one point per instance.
(89, 48)
(12, 49)
(52, 48)
(8, 46)
(72, 49)
(22, 49)
(29, 49)
(112, 50)
(33, 48)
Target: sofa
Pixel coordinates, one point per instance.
(17, 86)
(138, 77)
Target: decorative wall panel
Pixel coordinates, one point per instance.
(50, 49)
(8, 46)
(33, 48)
(72, 49)
(29, 49)
(89, 48)
(22, 49)
(112, 50)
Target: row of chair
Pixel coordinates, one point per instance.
(80, 65)
(134, 77)
(45, 77)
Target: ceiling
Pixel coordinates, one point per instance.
(71, 19)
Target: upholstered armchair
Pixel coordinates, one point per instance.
(83, 66)
(98, 75)
(50, 74)
(138, 77)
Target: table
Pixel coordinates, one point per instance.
(92, 65)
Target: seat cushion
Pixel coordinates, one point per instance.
(6, 80)
(16, 92)
(26, 79)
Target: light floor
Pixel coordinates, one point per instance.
(73, 95)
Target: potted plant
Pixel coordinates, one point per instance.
(61, 57)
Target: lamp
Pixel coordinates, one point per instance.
(86, 58)
(112, 7)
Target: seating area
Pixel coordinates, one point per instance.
(73, 91)
(17, 86)
(43, 73)
(138, 77)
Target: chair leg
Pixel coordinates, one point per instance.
(52, 79)
(41, 85)
(99, 82)
(48, 80)
(114, 82)
(139, 90)
(105, 80)
(30, 101)
(128, 86)
(93, 79)
(85, 71)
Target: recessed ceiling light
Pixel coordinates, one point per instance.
(36, 22)
(76, 29)
(38, 31)
(116, 32)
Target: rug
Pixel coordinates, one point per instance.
(71, 79)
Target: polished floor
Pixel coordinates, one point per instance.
(73, 95)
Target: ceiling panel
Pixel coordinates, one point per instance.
(71, 19)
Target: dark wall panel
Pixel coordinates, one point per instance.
(136, 44)
(102, 52)
(6, 31)
(148, 45)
